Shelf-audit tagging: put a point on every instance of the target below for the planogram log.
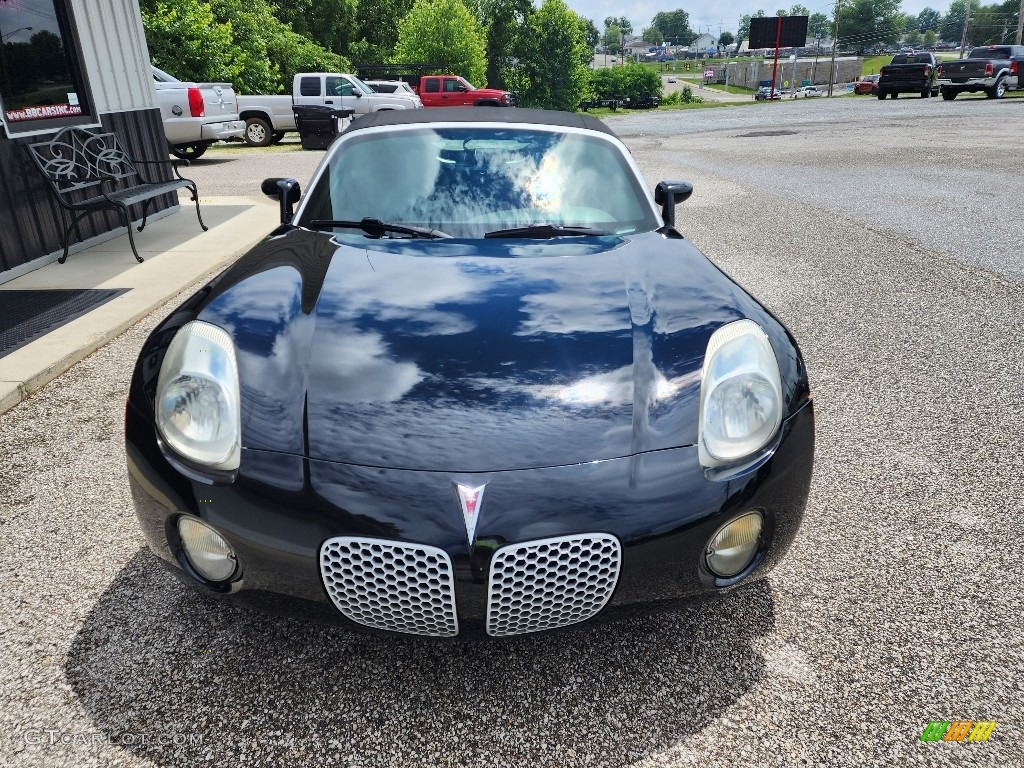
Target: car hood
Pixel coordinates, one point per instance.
(475, 356)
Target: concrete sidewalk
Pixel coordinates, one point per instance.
(177, 254)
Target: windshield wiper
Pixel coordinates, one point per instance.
(546, 230)
(377, 228)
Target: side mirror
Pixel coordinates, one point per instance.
(461, 88)
(357, 93)
(669, 194)
(286, 191)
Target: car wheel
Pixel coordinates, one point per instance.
(925, 93)
(189, 151)
(947, 94)
(257, 132)
(881, 95)
(998, 90)
(895, 94)
(278, 137)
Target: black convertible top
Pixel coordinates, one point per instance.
(511, 115)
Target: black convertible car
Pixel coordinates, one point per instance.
(476, 383)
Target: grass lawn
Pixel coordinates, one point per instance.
(731, 89)
(872, 64)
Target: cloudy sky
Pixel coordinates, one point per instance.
(710, 14)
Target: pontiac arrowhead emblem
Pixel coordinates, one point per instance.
(470, 500)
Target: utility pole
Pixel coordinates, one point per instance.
(835, 43)
(1020, 22)
(967, 23)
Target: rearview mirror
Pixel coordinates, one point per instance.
(285, 191)
(668, 194)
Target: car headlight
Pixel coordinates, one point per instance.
(197, 397)
(740, 394)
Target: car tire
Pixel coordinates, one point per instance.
(894, 95)
(881, 95)
(998, 90)
(278, 137)
(258, 132)
(189, 151)
(925, 93)
(948, 94)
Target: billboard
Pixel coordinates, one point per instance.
(764, 32)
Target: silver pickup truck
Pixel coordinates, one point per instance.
(196, 115)
(267, 118)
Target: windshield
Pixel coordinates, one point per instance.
(361, 85)
(1000, 52)
(468, 181)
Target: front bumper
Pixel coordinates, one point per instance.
(660, 506)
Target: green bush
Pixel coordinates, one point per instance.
(631, 81)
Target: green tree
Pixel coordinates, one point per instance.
(675, 26)
(555, 66)
(744, 31)
(866, 23)
(445, 33)
(508, 20)
(328, 23)
(621, 22)
(929, 18)
(613, 39)
(953, 22)
(253, 27)
(186, 40)
(593, 33)
(819, 25)
(930, 38)
(799, 10)
(377, 29)
(653, 35)
(726, 39)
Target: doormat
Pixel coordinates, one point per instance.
(27, 315)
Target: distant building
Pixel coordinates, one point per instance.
(702, 43)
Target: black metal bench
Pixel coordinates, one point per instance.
(90, 172)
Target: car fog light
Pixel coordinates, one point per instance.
(206, 550)
(734, 545)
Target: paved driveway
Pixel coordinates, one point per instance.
(890, 255)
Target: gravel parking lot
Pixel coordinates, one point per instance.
(886, 235)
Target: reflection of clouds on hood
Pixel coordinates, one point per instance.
(357, 363)
(449, 435)
(612, 388)
(595, 304)
(270, 296)
(393, 288)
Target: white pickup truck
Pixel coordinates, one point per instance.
(196, 115)
(268, 118)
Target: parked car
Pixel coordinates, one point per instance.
(867, 84)
(909, 73)
(808, 91)
(477, 383)
(195, 115)
(454, 91)
(399, 87)
(989, 68)
(269, 118)
(765, 93)
(644, 101)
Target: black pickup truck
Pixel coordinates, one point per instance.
(993, 69)
(909, 73)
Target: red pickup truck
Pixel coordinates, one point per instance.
(454, 91)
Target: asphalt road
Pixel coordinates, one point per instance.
(887, 236)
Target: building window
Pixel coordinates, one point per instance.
(42, 81)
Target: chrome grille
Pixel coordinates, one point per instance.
(391, 585)
(551, 582)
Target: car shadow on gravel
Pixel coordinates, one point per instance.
(204, 681)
